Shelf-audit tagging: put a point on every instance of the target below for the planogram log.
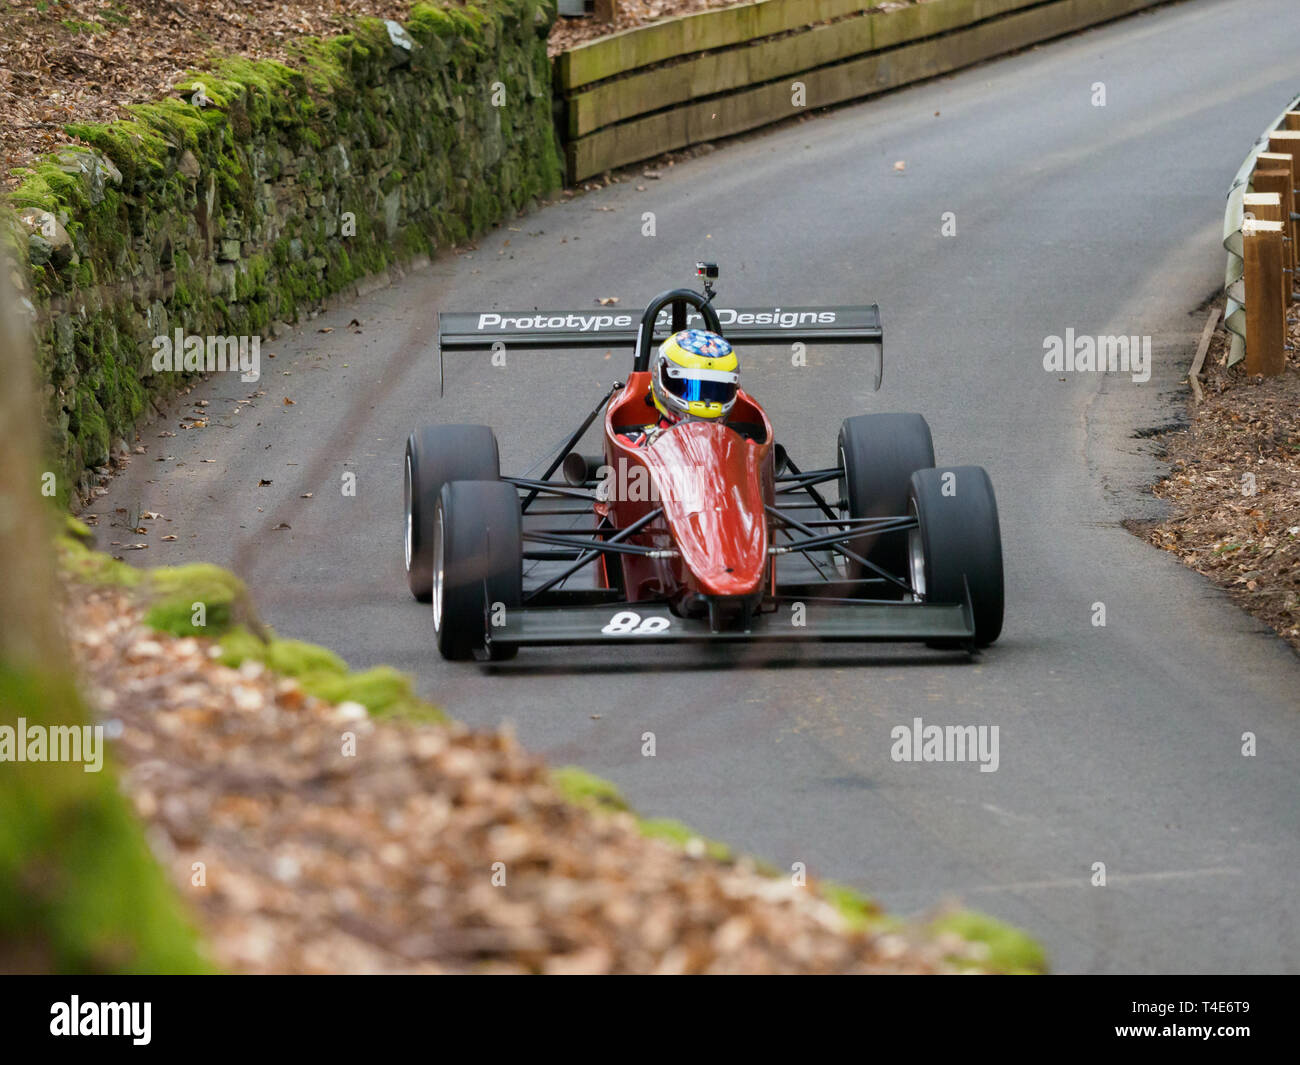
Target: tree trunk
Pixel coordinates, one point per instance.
(79, 889)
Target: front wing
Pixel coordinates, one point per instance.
(653, 623)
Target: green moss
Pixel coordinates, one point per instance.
(78, 530)
(382, 690)
(90, 431)
(858, 911)
(170, 594)
(79, 890)
(586, 789)
(139, 151)
(295, 658)
(1007, 949)
(196, 600)
(322, 63)
(79, 26)
(680, 835)
(95, 568)
(595, 793)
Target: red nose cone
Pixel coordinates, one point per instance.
(710, 487)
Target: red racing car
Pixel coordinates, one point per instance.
(709, 532)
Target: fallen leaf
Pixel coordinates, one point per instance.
(606, 301)
(288, 402)
(325, 329)
(263, 483)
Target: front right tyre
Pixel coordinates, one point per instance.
(878, 454)
(477, 567)
(436, 454)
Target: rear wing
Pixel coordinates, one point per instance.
(607, 328)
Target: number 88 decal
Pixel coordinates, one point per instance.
(627, 622)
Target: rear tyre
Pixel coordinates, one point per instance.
(878, 453)
(957, 544)
(436, 454)
(477, 562)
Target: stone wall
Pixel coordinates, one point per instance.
(260, 189)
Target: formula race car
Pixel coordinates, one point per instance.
(704, 531)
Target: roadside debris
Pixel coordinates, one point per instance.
(1234, 484)
(311, 838)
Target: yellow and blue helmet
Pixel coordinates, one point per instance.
(694, 375)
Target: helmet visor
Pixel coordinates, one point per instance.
(699, 386)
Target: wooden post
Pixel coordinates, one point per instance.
(1265, 314)
(1267, 207)
(1263, 206)
(1284, 162)
(606, 10)
(1287, 142)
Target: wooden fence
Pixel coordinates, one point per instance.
(694, 78)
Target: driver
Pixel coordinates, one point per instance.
(693, 375)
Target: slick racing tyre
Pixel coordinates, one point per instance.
(435, 455)
(477, 562)
(878, 453)
(957, 544)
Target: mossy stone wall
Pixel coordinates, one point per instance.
(263, 187)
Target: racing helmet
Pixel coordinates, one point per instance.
(694, 375)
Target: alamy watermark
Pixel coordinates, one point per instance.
(1101, 354)
(181, 353)
(631, 482)
(920, 742)
(77, 1018)
(53, 743)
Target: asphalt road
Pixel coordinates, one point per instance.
(1118, 744)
